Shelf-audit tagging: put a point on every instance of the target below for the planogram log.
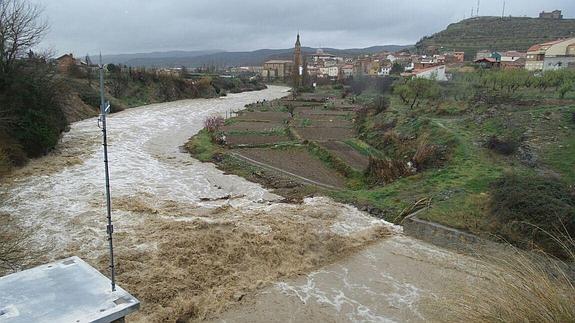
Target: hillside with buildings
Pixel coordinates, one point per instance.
(223, 59)
(496, 33)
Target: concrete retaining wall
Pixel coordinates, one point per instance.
(443, 236)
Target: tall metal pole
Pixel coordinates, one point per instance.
(104, 108)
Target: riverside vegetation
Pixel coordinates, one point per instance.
(492, 152)
(37, 102)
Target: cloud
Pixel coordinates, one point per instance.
(129, 26)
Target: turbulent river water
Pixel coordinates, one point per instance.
(154, 185)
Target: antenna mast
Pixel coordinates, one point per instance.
(503, 13)
(478, 3)
(104, 110)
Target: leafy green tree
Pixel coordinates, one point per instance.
(414, 90)
(396, 69)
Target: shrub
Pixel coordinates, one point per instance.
(425, 154)
(30, 98)
(385, 171)
(381, 104)
(527, 207)
(213, 125)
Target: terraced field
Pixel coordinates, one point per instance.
(495, 33)
(297, 161)
(346, 153)
(251, 139)
(267, 136)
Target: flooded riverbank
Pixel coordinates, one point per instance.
(190, 240)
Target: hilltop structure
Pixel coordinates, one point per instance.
(555, 14)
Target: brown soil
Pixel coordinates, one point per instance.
(297, 161)
(306, 111)
(193, 269)
(75, 109)
(349, 155)
(325, 134)
(299, 103)
(253, 126)
(277, 117)
(236, 140)
(325, 123)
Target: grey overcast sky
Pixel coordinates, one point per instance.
(131, 26)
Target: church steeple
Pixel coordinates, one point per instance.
(298, 64)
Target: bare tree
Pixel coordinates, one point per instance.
(21, 28)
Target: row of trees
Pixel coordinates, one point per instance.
(561, 81)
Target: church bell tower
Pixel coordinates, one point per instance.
(298, 64)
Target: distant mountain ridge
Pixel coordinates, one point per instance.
(227, 59)
(496, 33)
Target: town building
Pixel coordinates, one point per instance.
(482, 54)
(321, 56)
(277, 69)
(488, 62)
(513, 65)
(552, 55)
(66, 62)
(384, 70)
(454, 57)
(560, 55)
(431, 73)
(513, 60)
(512, 56)
(346, 71)
(555, 14)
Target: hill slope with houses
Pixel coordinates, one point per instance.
(496, 33)
(227, 59)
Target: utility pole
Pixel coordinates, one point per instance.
(503, 12)
(104, 110)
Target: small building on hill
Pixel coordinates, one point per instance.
(555, 14)
(65, 63)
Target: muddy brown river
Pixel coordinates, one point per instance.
(195, 243)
